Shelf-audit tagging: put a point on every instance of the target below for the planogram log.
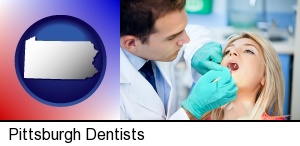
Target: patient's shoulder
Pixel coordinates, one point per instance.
(265, 116)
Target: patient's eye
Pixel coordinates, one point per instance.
(249, 51)
(226, 52)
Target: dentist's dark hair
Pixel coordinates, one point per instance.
(139, 16)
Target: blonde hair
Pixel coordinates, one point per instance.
(270, 97)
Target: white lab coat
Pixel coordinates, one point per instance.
(139, 101)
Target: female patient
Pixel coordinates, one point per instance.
(255, 67)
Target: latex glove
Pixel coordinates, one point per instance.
(207, 58)
(208, 94)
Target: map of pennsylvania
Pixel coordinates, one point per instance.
(59, 59)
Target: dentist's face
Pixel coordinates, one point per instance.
(170, 35)
(245, 60)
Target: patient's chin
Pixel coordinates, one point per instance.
(236, 80)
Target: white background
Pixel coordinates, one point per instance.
(168, 133)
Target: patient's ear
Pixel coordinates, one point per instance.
(262, 82)
(129, 42)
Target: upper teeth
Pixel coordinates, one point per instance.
(232, 66)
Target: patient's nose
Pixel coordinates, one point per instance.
(233, 52)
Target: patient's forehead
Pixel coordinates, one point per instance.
(244, 42)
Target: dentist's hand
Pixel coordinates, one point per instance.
(209, 93)
(207, 58)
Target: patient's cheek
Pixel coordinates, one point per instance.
(223, 63)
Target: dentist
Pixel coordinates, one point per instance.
(154, 37)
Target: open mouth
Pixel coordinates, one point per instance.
(233, 66)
